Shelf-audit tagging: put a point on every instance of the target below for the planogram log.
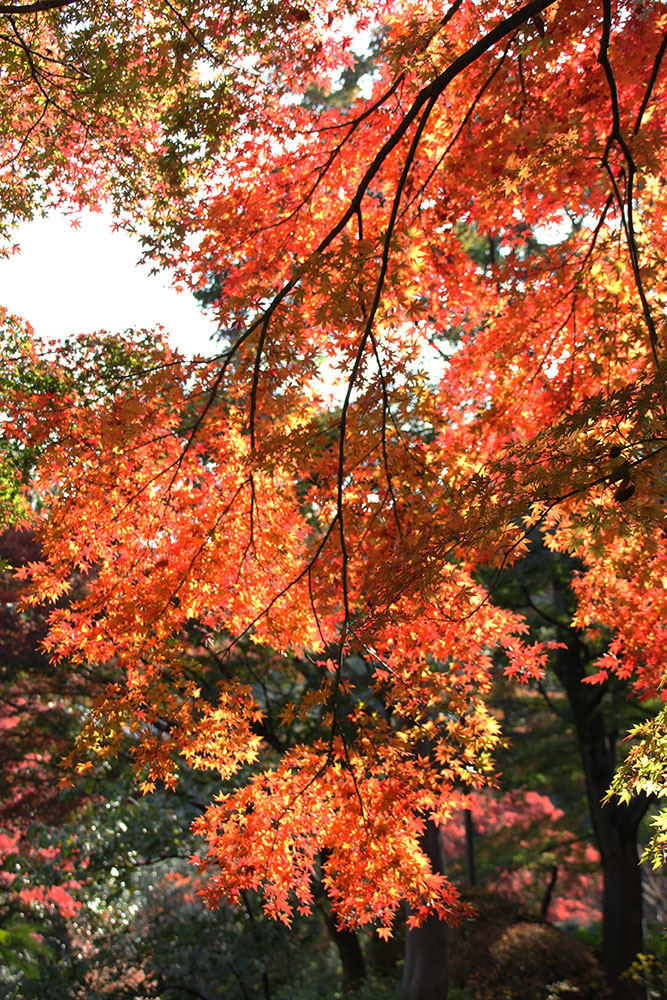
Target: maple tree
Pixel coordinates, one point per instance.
(231, 496)
(523, 829)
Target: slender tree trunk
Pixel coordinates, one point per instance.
(426, 969)
(622, 908)
(469, 827)
(548, 892)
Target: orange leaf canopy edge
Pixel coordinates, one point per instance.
(493, 381)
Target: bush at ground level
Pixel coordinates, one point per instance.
(503, 954)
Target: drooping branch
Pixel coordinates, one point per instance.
(368, 330)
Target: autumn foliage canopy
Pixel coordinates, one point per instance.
(442, 306)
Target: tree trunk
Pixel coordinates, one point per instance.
(349, 952)
(426, 969)
(615, 826)
(469, 827)
(622, 907)
(346, 941)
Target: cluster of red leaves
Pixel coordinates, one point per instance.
(523, 829)
(224, 497)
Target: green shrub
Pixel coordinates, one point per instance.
(369, 990)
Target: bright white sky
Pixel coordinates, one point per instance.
(67, 281)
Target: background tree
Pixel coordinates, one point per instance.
(544, 585)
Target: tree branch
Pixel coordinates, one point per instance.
(34, 8)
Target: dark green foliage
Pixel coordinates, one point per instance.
(142, 932)
(22, 949)
(317, 989)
